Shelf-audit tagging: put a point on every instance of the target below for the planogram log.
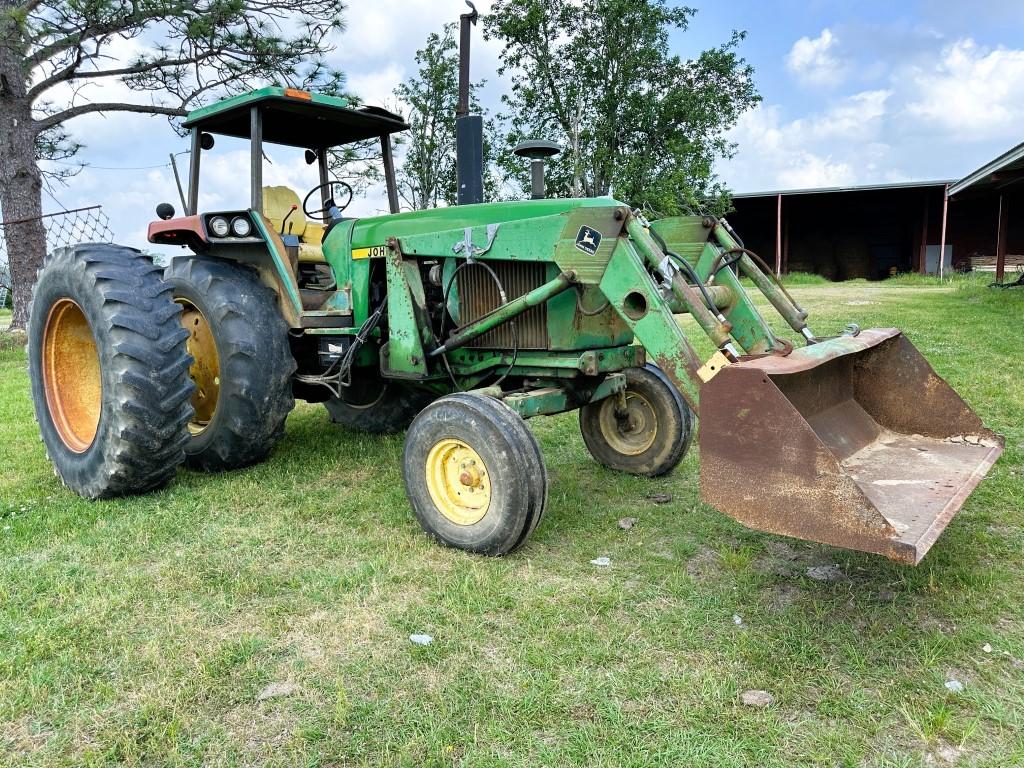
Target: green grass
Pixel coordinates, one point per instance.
(804, 278)
(140, 631)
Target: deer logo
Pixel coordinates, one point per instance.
(588, 240)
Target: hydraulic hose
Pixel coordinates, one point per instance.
(718, 264)
(684, 265)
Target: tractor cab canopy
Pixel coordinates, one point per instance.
(312, 121)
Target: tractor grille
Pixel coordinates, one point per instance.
(478, 295)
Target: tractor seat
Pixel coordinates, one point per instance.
(277, 205)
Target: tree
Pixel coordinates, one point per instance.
(5, 284)
(426, 176)
(634, 120)
(51, 49)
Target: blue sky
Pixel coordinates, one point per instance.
(854, 92)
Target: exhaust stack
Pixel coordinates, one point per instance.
(469, 129)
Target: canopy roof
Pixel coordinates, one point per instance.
(1004, 171)
(296, 118)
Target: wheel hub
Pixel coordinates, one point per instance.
(71, 375)
(457, 481)
(630, 427)
(205, 369)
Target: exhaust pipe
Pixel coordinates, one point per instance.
(469, 129)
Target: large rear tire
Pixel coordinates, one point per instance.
(375, 406)
(474, 474)
(651, 436)
(109, 370)
(242, 363)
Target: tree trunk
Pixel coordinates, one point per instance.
(21, 184)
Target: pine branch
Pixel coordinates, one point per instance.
(84, 109)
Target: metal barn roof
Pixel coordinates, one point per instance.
(854, 188)
(1005, 170)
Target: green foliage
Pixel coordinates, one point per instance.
(633, 119)
(208, 49)
(427, 176)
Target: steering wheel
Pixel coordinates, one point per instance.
(330, 187)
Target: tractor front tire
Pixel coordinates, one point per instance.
(651, 436)
(242, 365)
(375, 406)
(109, 370)
(474, 474)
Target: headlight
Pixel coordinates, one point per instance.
(219, 226)
(241, 227)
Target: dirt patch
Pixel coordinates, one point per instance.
(782, 596)
(781, 558)
(362, 628)
(705, 565)
(944, 755)
(22, 737)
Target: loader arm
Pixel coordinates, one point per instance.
(852, 441)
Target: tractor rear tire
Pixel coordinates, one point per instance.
(380, 408)
(242, 365)
(109, 371)
(654, 434)
(474, 474)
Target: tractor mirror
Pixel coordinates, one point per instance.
(165, 211)
(206, 141)
(310, 157)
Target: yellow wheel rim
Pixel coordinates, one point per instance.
(632, 432)
(71, 375)
(458, 482)
(205, 370)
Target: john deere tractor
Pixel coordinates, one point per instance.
(461, 323)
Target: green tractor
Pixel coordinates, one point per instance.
(459, 324)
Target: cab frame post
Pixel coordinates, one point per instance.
(256, 158)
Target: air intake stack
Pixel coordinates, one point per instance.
(538, 150)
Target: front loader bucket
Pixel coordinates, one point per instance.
(854, 442)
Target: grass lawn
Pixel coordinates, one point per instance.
(142, 631)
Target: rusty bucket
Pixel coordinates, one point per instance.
(854, 442)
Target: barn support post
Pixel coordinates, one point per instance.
(778, 237)
(922, 256)
(1001, 239)
(942, 242)
(785, 242)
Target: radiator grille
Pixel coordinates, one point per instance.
(478, 295)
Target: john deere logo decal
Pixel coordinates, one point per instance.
(588, 240)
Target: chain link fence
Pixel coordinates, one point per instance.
(78, 225)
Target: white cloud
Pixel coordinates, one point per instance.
(939, 111)
(773, 155)
(838, 146)
(973, 93)
(814, 61)
(855, 118)
(376, 86)
(380, 29)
